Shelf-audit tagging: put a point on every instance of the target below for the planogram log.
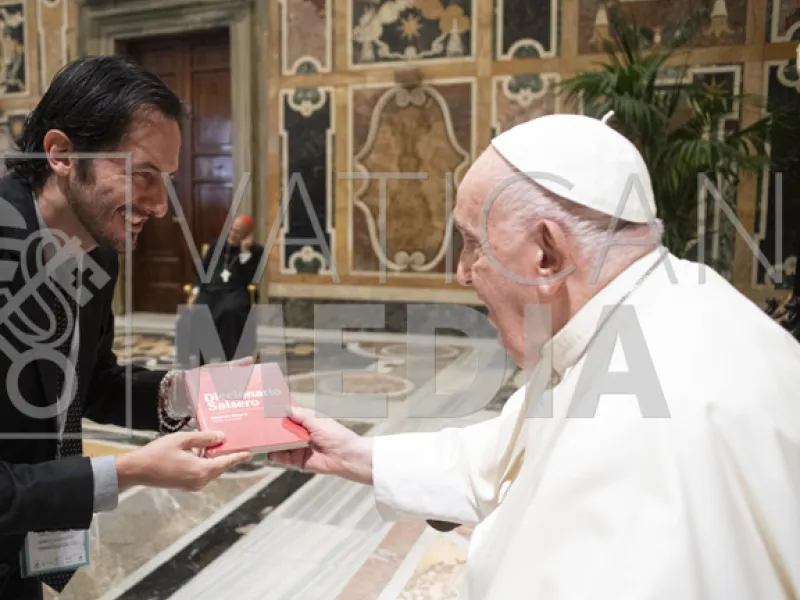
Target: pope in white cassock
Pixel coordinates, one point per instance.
(667, 469)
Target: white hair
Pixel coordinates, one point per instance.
(595, 233)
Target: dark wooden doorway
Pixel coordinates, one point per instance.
(197, 68)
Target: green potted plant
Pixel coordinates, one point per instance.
(681, 127)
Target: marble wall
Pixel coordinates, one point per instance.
(37, 38)
(384, 104)
(701, 23)
(371, 111)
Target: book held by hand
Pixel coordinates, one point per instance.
(248, 403)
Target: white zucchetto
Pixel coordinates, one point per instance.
(583, 160)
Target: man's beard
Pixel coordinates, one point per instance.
(90, 211)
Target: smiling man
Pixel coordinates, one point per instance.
(655, 450)
(94, 154)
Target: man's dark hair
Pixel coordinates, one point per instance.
(93, 101)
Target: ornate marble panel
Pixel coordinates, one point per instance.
(53, 25)
(526, 29)
(703, 22)
(782, 92)
(519, 98)
(306, 180)
(306, 27)
(14, 78)
(410, 30)
(784, 20)
(424, 132)
(10, 128)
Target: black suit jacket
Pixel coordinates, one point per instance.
(38, 492)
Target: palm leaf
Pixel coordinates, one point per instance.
(682, 129)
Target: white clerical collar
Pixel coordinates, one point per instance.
(568, 345)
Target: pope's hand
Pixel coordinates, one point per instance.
(173, 462)
(334, 449)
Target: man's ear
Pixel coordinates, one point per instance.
(551, 258)
(57, 143)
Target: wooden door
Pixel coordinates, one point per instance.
(197, 69)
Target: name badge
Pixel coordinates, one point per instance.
(54, 552)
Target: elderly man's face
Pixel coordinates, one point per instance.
(499, 260)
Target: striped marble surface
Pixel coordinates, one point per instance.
(313, 544)
(268, 533)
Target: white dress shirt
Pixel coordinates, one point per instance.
(701, 505)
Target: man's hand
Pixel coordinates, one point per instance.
(173, 462)
(334, 449)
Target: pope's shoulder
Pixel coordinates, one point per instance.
(712, 346)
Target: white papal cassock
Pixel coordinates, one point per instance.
(701, 505)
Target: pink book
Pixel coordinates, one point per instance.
(249, 403)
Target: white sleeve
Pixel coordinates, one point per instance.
(450, 475)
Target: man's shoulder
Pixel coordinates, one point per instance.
(16, 204)
(105, 256)
(107, 261)
(14, 185)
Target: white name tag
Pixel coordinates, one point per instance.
(54, 551)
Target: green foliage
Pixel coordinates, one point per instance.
(683, 128)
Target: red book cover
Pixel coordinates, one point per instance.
(248, 403)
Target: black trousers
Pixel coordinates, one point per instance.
(16, 588)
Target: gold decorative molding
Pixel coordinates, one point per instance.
(377, 293)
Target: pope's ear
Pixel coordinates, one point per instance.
(57, 145)
(550, 241)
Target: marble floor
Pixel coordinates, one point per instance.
(264, 532)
